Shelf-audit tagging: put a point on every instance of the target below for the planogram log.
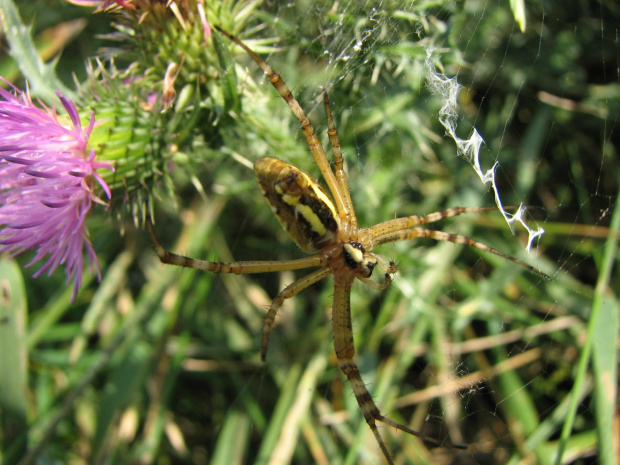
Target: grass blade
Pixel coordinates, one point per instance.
(601, 315)
(13, 362)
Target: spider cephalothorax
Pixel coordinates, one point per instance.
(328, 230)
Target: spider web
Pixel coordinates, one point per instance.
(534, 154)
(469, 149)
(352, 45)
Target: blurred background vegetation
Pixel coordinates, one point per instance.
(161, 365)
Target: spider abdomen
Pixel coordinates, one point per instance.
(302, 207)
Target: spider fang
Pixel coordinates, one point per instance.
(355, 257)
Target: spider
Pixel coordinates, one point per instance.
(328, 231)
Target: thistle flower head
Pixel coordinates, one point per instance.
(103, 4)
(165, 108)
(47, 177)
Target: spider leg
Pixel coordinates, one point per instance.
(286, 293)
(389, 267)
(306, 125)
(417, 220)
(377, 285)
(341, 175)
(406, 234)
(345, 351)
(245, 267)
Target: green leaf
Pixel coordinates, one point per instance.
(13, 362)
(601, 337)
(518, 11)
(605, 367)
(41, 77)
(233, 439)
(228, 76)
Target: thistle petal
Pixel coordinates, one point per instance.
(47, 179)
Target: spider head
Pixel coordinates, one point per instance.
(355, 257)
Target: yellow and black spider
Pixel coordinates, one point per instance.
(328, 230)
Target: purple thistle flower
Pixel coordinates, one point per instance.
(104, 4)
(47, 175)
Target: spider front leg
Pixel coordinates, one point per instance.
(345, 351)
(418, 220)
(407, 234)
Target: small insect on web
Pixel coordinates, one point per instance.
(329, 232)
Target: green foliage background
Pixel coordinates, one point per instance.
(161, 365)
